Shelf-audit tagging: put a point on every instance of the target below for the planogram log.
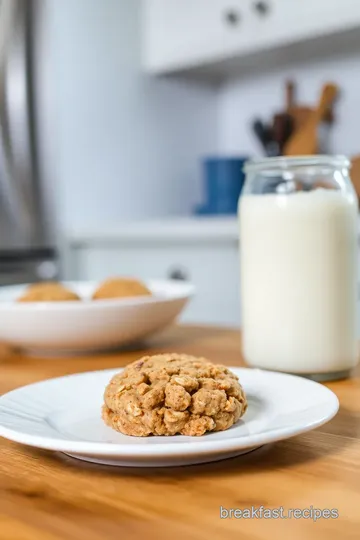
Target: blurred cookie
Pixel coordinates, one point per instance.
(48, 292)
(166, 394)
(120, 288)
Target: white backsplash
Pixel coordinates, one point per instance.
(242, 99)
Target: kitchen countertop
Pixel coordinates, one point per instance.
(173, 229)
(47, 496)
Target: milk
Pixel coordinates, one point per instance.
(299, 281)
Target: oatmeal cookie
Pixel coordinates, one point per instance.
(120, 288)
(50, 291)
(168, 394)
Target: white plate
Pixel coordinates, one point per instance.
(58, 327)
(64, 415)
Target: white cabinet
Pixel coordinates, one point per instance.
(205, 254)
(186, 34)
(203, 251)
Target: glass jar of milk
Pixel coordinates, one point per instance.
(298, 252)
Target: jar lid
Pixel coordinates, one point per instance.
(280, 163)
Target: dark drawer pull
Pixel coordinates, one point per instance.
(232, 17)
(178, 274)
(262, 8)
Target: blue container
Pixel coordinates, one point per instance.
(223, 182)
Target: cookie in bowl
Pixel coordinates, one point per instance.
(120, 288)
(169, 394)
(51, 291)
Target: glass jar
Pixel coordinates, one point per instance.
(298, 259)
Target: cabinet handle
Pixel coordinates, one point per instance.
(232, 17)
(178, 274)
(262, 7)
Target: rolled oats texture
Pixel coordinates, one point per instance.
(171, 394)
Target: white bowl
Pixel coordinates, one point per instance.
(58, 327)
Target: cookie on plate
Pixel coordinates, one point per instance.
(167, 394)
(120, 288)
(50, 291)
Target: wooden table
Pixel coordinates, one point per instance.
(46, 496)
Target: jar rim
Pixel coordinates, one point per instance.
(284, 162)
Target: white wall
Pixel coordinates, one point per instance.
(115, 144)
(244, 98)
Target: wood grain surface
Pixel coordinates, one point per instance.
(47, 496)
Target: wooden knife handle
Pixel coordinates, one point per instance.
(290, 95)
(328, 95)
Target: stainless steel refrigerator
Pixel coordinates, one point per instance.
(27, 251)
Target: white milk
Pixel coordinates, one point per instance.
(299, 281)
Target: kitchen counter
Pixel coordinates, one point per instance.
(174, 229)
(48, 496)
(174, 248)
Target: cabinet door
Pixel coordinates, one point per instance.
(181, 34)
(289, 22)
(214, 270)
(187, 32)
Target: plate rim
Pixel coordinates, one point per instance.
(163, 450)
